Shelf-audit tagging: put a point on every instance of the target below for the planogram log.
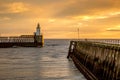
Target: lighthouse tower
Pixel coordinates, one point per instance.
(38, 30)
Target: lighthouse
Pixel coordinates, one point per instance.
(38, 30)
(38, 37)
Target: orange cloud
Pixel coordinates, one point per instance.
(114, 28)
(14, 7)
(17, 7)
(61, 18)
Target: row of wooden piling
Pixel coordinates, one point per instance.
(102, 60)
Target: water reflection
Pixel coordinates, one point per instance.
(48, 63)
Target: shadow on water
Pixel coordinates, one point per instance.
(47, 63)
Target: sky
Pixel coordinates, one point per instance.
(61, 19)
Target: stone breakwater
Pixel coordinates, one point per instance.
(22, 41)
(96, 60)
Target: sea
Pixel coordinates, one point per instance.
(46, 63)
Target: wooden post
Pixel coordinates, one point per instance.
(70, 49)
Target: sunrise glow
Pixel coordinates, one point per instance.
(61, 18)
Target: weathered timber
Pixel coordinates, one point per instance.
(97, 61)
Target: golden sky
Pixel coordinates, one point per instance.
(61, 18)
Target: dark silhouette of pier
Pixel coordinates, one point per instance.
(97, 59)
(35, 40)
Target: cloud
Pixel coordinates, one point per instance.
(113, 29)
(15, 7)
(89, 8)
(58, 18)
(13, 10)
(5, 18)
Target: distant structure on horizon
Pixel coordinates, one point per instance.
(24, 40)
(38, 30)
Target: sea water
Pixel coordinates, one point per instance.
(47, 63)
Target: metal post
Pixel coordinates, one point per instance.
(78, 33)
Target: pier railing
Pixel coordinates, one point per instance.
(108, 41)
(15, 39)
(23, 41)
(97, 60)
(18, 39)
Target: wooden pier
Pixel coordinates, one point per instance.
(96, 60)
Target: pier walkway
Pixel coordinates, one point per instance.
(97, 59)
